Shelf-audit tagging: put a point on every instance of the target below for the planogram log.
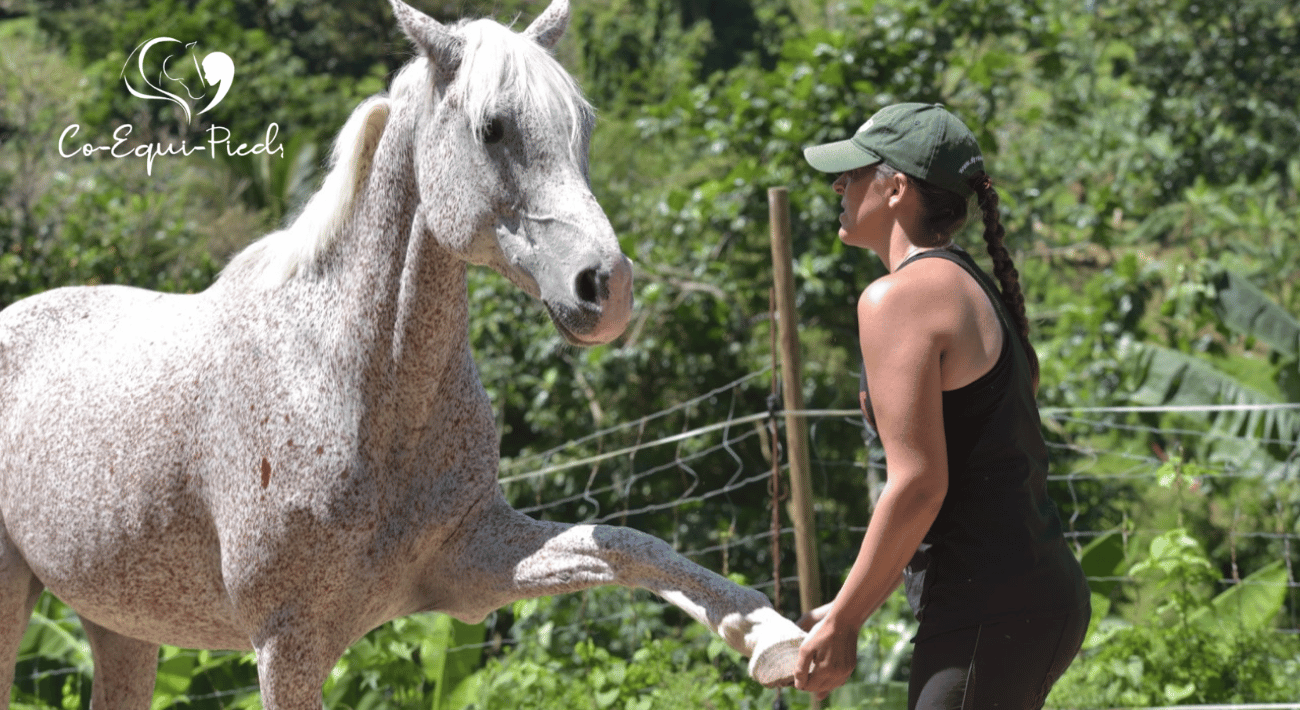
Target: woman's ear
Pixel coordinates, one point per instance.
(899, 187)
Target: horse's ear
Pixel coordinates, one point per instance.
(548, 26)
(443, 47)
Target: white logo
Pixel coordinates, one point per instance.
(218, 70)
(211, 81)
(867, 126)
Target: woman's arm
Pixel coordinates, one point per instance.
(904, 326)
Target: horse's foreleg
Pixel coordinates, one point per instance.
(510, 556)
(295, 654)
(125, 669)
(19, 591)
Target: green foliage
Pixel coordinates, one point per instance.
(659, 674)
(1089, 339)
(559, 664)
(1179, 567)
(1209, 313)
(406, 664)
(109, 235)
(1245, 308)
(1101, 561)
(411, 662)
(1192, 649)
(636, 51)
(1226, 67)
(884, 659)
(638, 664)
(326, 57)
(68, 222)
(53, 660)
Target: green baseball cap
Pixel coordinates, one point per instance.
(924, 141)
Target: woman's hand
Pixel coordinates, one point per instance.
(810, 619)
(827, 657)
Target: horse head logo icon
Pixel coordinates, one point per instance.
(217, 70)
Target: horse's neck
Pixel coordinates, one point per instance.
(410, 290)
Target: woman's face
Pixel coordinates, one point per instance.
(861, 197)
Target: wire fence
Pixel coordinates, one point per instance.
(720, 444)
(702, 471)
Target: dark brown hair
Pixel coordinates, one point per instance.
(1003, 268)
(944, 211)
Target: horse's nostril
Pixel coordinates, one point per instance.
(587, 286)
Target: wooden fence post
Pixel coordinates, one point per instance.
(796, 426)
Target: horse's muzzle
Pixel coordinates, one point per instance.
(599, 304)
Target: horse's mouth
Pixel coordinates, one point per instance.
(566, 332)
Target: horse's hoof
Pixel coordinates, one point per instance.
(773, 667)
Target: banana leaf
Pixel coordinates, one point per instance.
(56, 638)
(1246, 309)
(1253, 604)
(1102, 558)
(1252, 440)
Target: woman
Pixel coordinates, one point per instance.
(964, 517)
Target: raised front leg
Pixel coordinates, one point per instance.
(510, 556)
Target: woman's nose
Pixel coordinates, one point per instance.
(840, 183)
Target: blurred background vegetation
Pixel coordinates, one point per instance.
(1146, 152)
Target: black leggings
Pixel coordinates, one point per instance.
(1008, 665)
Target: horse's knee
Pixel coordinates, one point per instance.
(632, 549)
(650, 561)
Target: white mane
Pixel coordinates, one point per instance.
(499, 69)
(281, 255)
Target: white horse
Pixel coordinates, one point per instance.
(304, 451)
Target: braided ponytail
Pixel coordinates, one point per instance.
(1003, 268)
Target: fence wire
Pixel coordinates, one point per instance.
(715, 449)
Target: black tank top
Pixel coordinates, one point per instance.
(996, 548)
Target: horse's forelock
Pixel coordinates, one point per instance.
(501, 69)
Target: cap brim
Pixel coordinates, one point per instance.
(839, 157)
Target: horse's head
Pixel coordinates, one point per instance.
(501, 140)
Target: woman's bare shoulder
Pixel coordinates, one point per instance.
(924, 295)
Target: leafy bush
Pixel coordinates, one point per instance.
(663, 673)
(606, 648)
(1191, 649)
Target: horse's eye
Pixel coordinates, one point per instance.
(493, 132)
